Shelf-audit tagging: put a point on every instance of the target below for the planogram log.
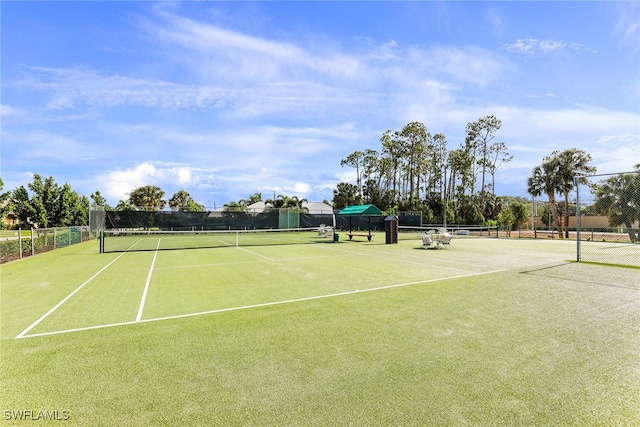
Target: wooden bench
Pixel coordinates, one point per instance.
(368, 236)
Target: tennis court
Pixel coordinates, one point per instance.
(486, 332)
(150, 280)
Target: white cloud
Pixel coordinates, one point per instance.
(628, 25)
(530, 46)
(523, 46)
(238, 112)
(119, 183)
(54, 148)
(301, 188)
(318, 79)
(245, 77)
(71, 88)
(249, 56)
(7, 111)
(471, 65)
(617, 153)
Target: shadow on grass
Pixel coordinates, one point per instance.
(589, 273)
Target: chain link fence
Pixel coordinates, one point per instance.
(617, 197)
(17, 244)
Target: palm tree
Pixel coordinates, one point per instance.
(277, 203)
(545, 180)
(148, 198)
(124, 205)
(183, 201)
(618, 198)
(297, 204)
(570, 163)
(255, 198)
(239, 206)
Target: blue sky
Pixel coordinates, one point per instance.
(224, 99)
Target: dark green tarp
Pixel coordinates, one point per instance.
(361, 210)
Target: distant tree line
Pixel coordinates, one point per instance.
(414, 170)
(44, 203)
(151, 198)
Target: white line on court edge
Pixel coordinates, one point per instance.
(266, 304)
(146, 285)
(255, 253)
(44, 316)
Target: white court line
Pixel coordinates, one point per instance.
(266, 304)
(44, 316)
(146, 286)
(255, 253)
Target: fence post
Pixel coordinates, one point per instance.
(20, 241)
(33, 244)
(577, 184)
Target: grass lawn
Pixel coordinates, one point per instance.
(489, 332)
(13, 234)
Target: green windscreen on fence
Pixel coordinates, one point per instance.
(194, 221)
(153, 240)
(241, 220)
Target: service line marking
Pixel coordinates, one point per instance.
(266, 304)
(146, 285)
(48, 313)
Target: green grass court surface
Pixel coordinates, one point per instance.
(507, 332)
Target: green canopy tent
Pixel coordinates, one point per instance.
(360, 210)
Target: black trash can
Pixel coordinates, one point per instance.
(391, 229)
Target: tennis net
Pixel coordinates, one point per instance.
(145, 240)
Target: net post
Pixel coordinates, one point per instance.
(101, 240)
(333, 233)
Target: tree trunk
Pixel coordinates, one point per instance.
(555, 216)
(566, 215)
